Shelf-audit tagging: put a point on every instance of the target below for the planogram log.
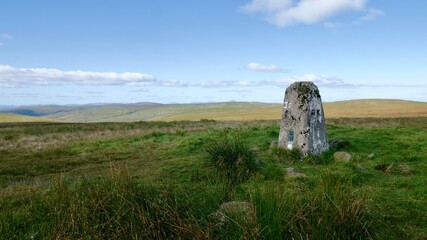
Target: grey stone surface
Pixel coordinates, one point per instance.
(303, 123)
(342, 156)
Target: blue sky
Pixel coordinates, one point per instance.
(98, 51)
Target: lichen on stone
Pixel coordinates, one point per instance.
(304, 90)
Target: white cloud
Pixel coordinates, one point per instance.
(283, 13)
(11, 77)
(217, 84)
(173, 83)
(226, 84)
(370, 15)
(141, 90)
(6, 36)
(18, 77)
(320, 80)
(257, 67)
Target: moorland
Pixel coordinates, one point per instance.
(167, 180)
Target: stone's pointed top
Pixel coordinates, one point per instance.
(305, 91)
(303, 84)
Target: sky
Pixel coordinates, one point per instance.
(187, 51)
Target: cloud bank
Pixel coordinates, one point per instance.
(21, 77)
(283, 13)
(11, 77)
(319, 80)
(257, 67)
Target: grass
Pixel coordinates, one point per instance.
(231, 157)
(153, 180)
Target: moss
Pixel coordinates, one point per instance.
(304, 90)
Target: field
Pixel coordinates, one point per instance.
(159, 180)
(226, 111)
(16, 118)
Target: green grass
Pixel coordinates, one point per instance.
(153, 180)
(231, 157)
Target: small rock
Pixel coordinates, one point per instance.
(236, 210)
(290, 172)
(342, 156)
(372, 155)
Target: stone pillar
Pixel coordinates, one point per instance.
(303, 122)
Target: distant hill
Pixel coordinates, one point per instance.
(175, 112)
(6, 106)
(217, 111)
(375, 108)
(8, 118)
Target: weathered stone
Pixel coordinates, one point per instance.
(342, 156)
(303, 122)
(236, 210)
(290, 172)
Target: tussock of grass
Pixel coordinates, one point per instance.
(231, 157)
(285, 155)
(119, 207)
(332, 210)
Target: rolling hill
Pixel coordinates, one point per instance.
(366, 108)
(10, 118)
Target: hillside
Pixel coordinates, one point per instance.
(366, 108)
(375, 108)
(10, 118)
